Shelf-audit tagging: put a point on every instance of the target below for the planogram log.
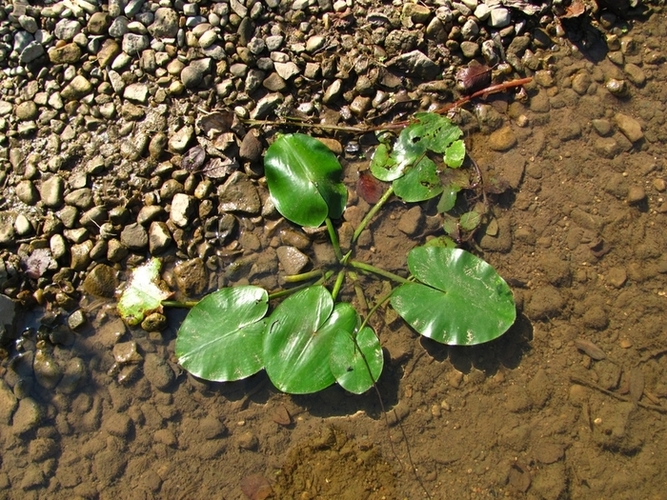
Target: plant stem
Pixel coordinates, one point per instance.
(177, 303)
(334, 239)
(296, 278)
(376, 270)
(339, 283)
(359, 291)
(290, 291)
(371, 213)
(377, 305)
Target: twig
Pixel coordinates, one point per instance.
(581, 381)
(296, 122)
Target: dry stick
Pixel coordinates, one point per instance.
(581, 381)
(296, 122)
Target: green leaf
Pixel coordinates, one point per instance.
(351, 361)
(298, 340)
(420, 183)
(441, 241)
(455, 154)
(304, 178)
(470, 221)
(461, 299)
(144, 294)
(383, 166)
(221, 338)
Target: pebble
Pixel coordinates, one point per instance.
(158, 372)
(629, 127)
(502, 139)
(27, 417)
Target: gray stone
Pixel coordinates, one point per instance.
(629, 127)
(134, 44)
(239, 194)
(51, 191)
(118, 27)
(180, 140)
(286, 70)
(66, 29)
(134, 237)
(31, 52)
(80, 198)
(292, 260)
(8, 403)
(183, 209)
(81, 255)
(416, 64)
(266, 105)
(158, 372)
(137, 92)
(101, 281)
(27, 417)
(165, 23)
(192, 76)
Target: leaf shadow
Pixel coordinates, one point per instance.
(506, 351)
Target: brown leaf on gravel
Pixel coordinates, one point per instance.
(216, 123)
(218, 168)
(473, 78)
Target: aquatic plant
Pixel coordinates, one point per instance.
(305, 337)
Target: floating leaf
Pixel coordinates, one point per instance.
(356, 362)
(298, 340)
(304, 178)
(144, 294)
(383, 166)
(460, 300)
(420, 183)
(221, 339)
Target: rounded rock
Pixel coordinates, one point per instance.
(158, 372)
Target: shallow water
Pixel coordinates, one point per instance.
(501, 419)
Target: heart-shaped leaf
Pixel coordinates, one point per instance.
(420, 183)
(221, 338)
(356, 361)
(461, 299)
(304, 178)
(298, 340)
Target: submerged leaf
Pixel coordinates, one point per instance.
(144, 294)
(469, 221)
